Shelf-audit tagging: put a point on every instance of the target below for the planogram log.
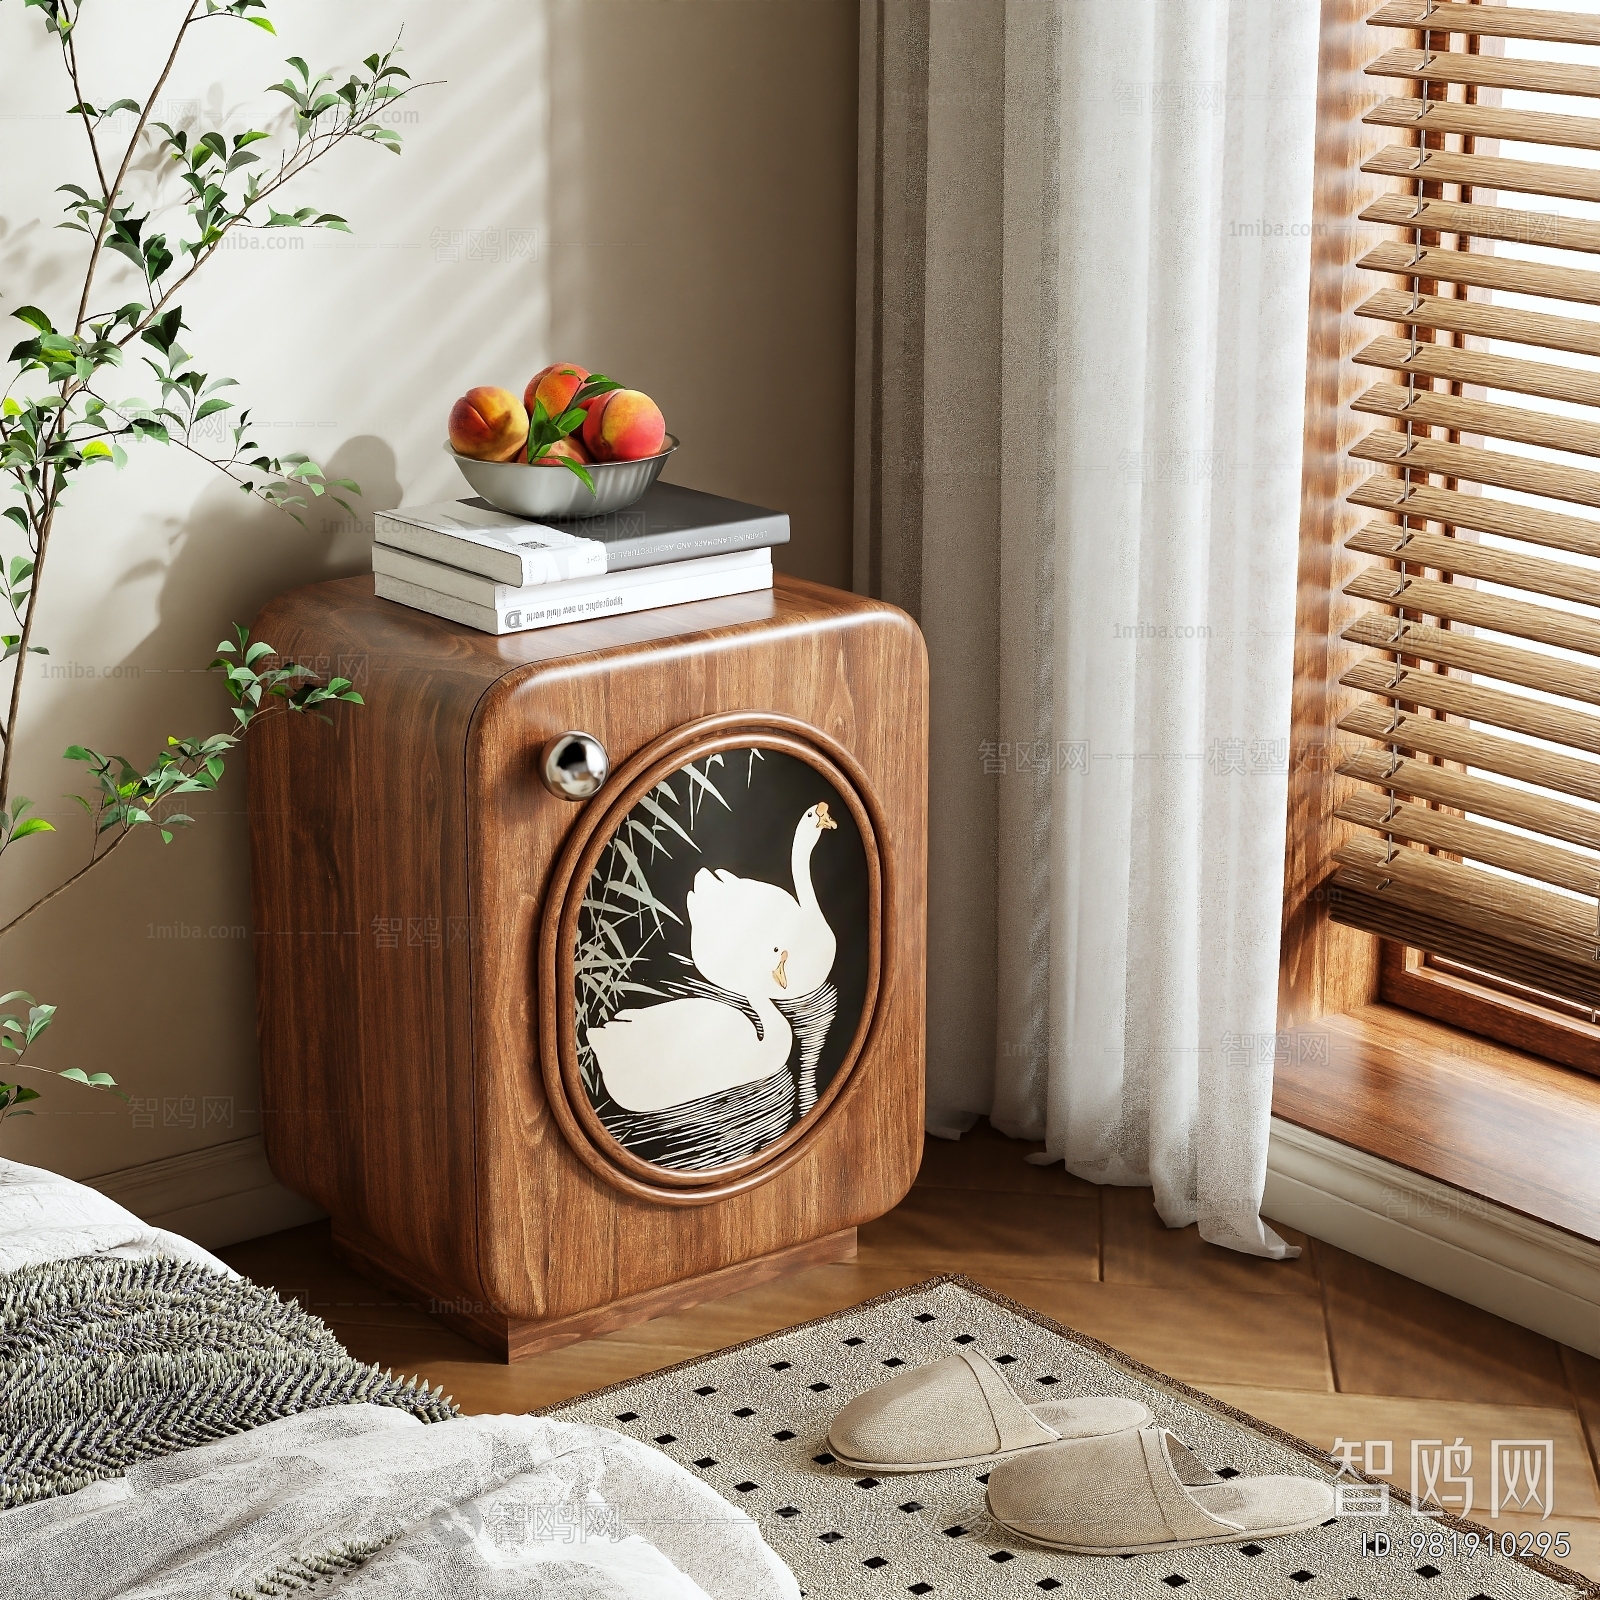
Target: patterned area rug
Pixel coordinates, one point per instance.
(752, 1420)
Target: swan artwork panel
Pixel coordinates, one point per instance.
(721, 958)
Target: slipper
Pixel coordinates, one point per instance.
(1144, 1491)
(958, 1412)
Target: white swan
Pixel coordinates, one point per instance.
(751, 938)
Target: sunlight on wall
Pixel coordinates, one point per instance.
(662, 191)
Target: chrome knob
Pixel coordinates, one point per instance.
(574, 765)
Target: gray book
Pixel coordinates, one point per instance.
(670, 523)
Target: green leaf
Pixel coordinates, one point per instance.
(77, 1074)
(578, 470)
(35, 318)
(164, 329)
(32, 825)
(96, 450)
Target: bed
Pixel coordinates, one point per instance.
(168, 1429)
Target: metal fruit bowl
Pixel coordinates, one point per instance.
(554, 494)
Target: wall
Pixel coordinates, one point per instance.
(661, 189)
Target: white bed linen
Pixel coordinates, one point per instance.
(467, 1509)
(45, 1217)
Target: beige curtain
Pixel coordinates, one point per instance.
(1084, 234)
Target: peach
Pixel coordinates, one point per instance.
(489, 424)
(555, 385)
(564, 449)
(624, 425)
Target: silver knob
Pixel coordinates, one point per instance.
(574, 765)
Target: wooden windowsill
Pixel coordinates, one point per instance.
(1508, 1127)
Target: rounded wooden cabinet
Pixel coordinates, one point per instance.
(591, 960)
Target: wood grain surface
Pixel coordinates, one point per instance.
(1486, 1119)
(399, 867)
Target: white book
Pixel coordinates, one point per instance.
(495, 544)
(668, 523)
(483, 591)
(548, 605)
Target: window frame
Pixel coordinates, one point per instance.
(1328, 969)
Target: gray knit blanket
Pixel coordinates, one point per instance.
(106, 1362)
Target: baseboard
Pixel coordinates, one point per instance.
(219, 1196)
(1528, 1272)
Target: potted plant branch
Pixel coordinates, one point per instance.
(59, 417)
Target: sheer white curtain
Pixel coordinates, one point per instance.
(1085, 239)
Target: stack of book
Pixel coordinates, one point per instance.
(466, 561)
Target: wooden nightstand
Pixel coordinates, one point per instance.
(555, 1067)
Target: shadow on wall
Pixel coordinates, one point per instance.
(717, 274)
(142, 972)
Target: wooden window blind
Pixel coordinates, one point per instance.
(1477, 732)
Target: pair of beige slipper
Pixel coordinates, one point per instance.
(1093, 1476)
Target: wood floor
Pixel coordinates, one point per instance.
(1327, 1346)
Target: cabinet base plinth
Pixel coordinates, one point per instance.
(515, 1338)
